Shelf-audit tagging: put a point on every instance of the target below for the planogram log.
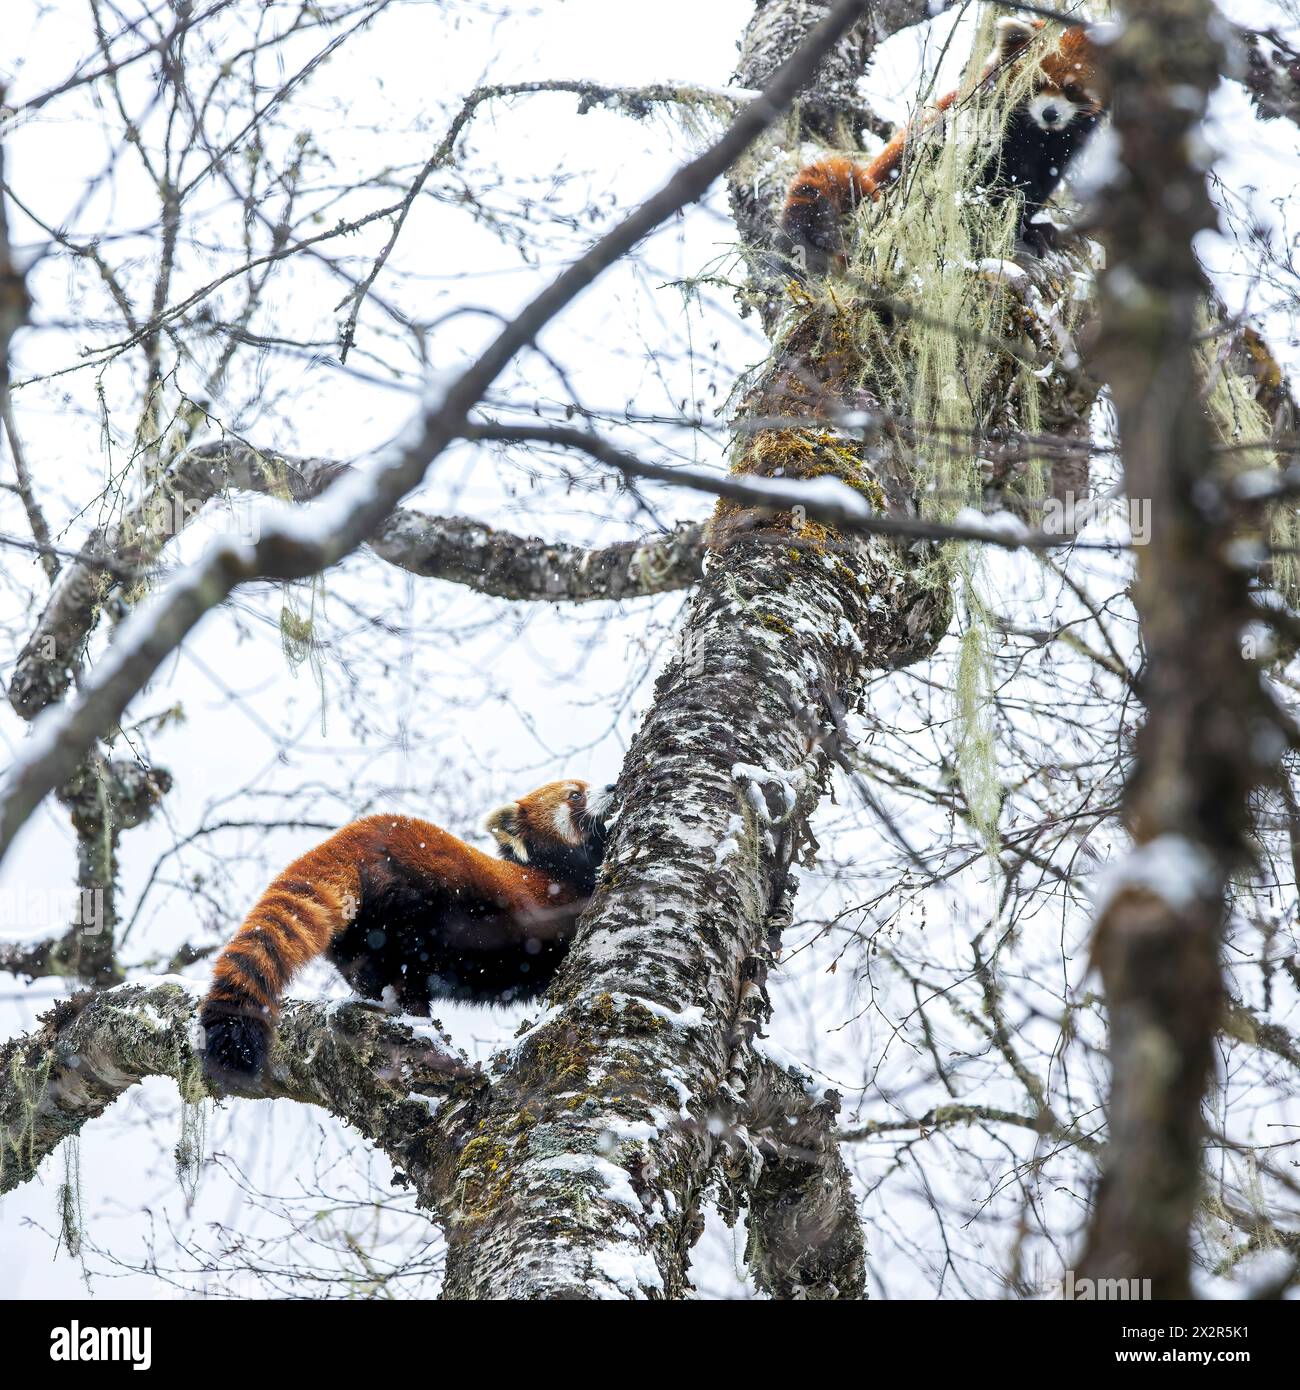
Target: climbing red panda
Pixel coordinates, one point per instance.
(1043, 134)
(409, 914)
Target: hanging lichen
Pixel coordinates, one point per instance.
(298, 639)
(297, 633)
(68, 1197)
(938, 335)
(25, 1086)
(191, 1143)
(977, 766)
(946, 351)
(190, 1146)
(943, 334)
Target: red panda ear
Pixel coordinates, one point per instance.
(503, 826)
(1012, 34)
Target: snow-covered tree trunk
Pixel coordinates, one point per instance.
(585, 1174)
(608, 1122)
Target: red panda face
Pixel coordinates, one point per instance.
(1052, 110)
(1071, 69)
(1066, 85)
(560, 815)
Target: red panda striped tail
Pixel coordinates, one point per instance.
(292, 923)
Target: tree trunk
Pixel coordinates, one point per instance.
(1211, 733)
(590, 1160)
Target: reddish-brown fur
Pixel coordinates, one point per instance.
(401, 871)
(824, 195)
(315, 898)
(835, 181)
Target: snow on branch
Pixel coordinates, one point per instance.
(456, 549)
(805, 1237)
(824, 499)
(1268, 66)
(371, 1070)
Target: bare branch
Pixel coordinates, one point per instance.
(821, 499)
(456, 549)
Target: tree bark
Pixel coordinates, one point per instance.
(364, 1067)
(1211, 733)
(609, 1119)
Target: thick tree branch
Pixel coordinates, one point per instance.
(455, 549)
(505, 565)
(805, 1232)
(356, 1062)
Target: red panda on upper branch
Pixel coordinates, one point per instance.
(408, 914)
(1043, 134)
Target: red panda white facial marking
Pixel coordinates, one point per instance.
(598, 804)
(1051, 110)
(562, 815)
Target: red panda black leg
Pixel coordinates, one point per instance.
(1038, 238)
(813, 242)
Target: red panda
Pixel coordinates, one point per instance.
(1043, 134)
(408, 914)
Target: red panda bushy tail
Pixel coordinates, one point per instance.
(293, 922)
(819, 203)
